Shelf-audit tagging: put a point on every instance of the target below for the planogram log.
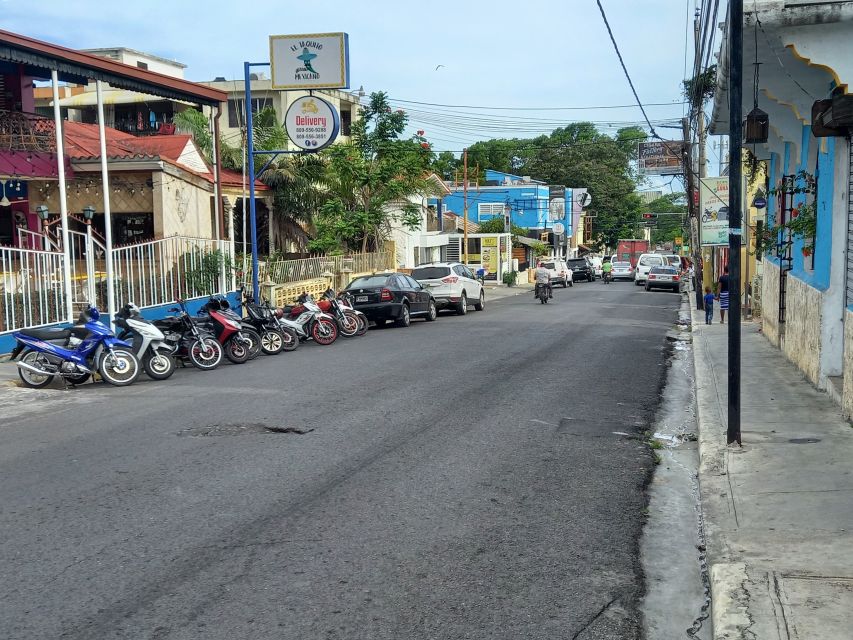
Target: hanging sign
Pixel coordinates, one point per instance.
(311, 123)
(310, 61)
(714, 207)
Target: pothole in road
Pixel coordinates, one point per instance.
(239, 429)
(804, 440)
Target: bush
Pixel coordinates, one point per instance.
(510, 277)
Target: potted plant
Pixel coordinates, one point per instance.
(510, 278)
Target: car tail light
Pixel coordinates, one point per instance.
(676, 278)
(450, 280)
(651, 277)
(385, 295)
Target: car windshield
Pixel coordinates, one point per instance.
(673, 260)
(621, 265)
(368, 281)
(663, 270)
(548, 265)
(651, 260)
(430, 273)
(577, 263)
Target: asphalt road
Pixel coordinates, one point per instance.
(468, 478)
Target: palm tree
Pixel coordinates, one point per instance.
(299, 193)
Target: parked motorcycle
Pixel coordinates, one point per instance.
(220, 304)
(74, 353)
(148, 342)
(191, 340)
(344, 305)
(262, 316)
(227, 330)
(309, 321)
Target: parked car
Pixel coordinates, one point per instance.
(597, 261)
(452, 284)
(665, 277)
(644, 265)
(560, 272)
(673, 260)
(392, 296)
(582, 269)
(622, 271)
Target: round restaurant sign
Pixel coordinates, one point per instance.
(559, 228)
(311, 123)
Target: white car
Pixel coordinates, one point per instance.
(644, 265)
(560, 272)
(452, 284)
(622, 271)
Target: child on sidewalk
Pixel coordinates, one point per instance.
(709, 305)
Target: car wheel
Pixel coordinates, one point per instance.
(481, 304)
(405, 318)
(564, 283)
(571, 283)
(432, 312)
(637, 282)
(462, 309)
(648, 288)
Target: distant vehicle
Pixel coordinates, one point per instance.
(664, 277)
(560, 272)
(597, 261)
(630, 250)
(622, 271)
(673, 260)
(644, 265)
(392, 296)
(582, 269)
(452, 285)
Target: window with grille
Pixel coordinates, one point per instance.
(489, 210)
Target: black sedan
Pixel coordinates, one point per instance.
(664, 278)
(392, 296)
(582, 269)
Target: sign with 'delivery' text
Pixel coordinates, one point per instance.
(311, 123)
(310, 61)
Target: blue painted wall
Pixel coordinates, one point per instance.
(7, 343)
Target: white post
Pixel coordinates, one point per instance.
(90, 262)
(108, 221)
(63, 204)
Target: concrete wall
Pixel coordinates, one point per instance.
(770, 302)
(803, 327)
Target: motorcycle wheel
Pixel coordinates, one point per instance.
(205, 354)
(30, 378)
(289, 339)
(324, 331)
(272, 342)
(236, 350)
(348, 325)
(158, 366)
(254, 339)
(119, 367)
(362, 324)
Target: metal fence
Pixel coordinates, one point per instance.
(31, 290)
(161, 271)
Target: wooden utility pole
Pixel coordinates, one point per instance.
(465, 206)
(694, 215)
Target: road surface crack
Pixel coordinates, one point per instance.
(594, 618)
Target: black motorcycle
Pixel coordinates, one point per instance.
(274, 337)
(190, 340)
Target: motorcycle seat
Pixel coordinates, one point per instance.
(48, 333)
(287, 309)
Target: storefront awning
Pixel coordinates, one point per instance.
(111, 96)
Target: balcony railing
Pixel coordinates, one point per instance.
(26, 132)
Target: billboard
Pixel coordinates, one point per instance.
(310, 61)
(661, 158)
(556, 203)
(714, 211)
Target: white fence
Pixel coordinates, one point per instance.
(31, 288)
(284, 271)
(161, 271)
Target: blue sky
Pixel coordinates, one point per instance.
(532, 54)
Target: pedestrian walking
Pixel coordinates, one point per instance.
(709, 306)
(723, 294)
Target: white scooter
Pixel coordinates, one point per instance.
(149, 343)
(310, 323)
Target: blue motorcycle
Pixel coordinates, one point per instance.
(74, 354)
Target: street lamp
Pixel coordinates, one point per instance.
(88, 214)
(43, 212)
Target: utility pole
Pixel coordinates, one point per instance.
(735, 211)
(693, 211)
(465, 206)
(707, 274)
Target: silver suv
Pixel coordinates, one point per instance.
(452, 284)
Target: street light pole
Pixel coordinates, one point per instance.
(465, 207)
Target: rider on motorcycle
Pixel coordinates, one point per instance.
(543, 278)
(607, 270)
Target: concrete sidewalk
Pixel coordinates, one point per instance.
(497, 291)
(778, 512)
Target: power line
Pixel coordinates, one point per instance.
(468, 106)
(625, 69)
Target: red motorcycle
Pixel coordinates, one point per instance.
(228, 332)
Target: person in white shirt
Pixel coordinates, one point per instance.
(543, 278)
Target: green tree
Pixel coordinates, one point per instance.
(195, 123)
(371, 179)
(445, 164)
(668, 227)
